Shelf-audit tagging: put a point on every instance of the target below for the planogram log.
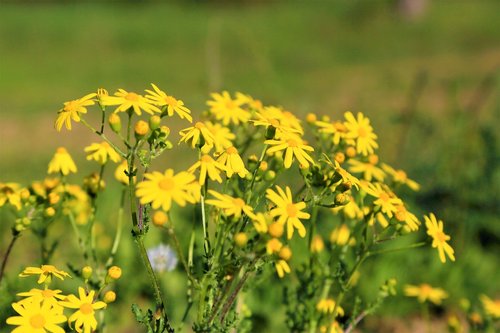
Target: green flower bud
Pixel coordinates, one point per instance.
(115, 122)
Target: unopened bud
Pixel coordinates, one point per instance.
(160, 218)
(269, 175)
(49, 212)
(114, 273)
(276, 229)
(311, 118)
(350, 152)
(317, 244)
(241, 239)
(154, 122)
(285, 253)
(54, 198)
(141, 129)
(115, 122)
(109, 297)
(86, 272)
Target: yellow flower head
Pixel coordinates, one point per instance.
(340, 235)
(208, 166)
(223, 137)
(273, 116)
(62, 162)
(403, 215)
(294, 147)
(425, 292)
(195, 133)
(45, 295)
(327, 305)
(10, 193)
(172, 104)
(384, 199)
(229, 110)
(336, 129)
(400, 177)
(230, 206)
(45, 273)
(369, 170)
(317, 244)
(491, 307)
(287, 211)
(72, 111)
(120, 172)
(37, 316)
(160, 189)
(84, 317)
(360, 131)
(130, 100)
(260, 222)
(282, 268)
(439, 238)
(233, 162)
(101, 152)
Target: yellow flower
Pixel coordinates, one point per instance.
(160, 189)
(259, 222)
(233, 162)
(229, 110)
(46, 272)
(10, 193)
(72, 111)
(130, 100)
(439, 238)
(231, 206)
(120, 172)
(340, 235)
(287, 211)
(273, 246)
(360, 131)
(282, 268)
(399, 176)
(293, 146)
(385, 199)
(334, 328)
(222, 136)
(403, 215)
(273, 116)
(351, 210)
(208, 165)
(171, 103)
(253, 103)
(327, 305)
(369, 170)
(79, 204)
(37, 317)
(194, 133)
(425, 292)
(100, 152)
(491, 307)
(347, 178)
(84, 317)
(336, 129)
(317, 244)
(39, 295)
(62, 162)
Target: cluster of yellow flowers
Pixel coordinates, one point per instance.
(42, 310)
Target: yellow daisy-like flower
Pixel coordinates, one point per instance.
(208, 166)
(194, 133)
(491, 307)
(45, 295)
(290, 120)
(425, 292)
(171, 103)
(72, 110)
(294, 147)
(100, 152)
(260, 222)
(229, 110)
(45, 272)
(233, 162)
(360, 131)
(37, 317)
(79, 204)
(334, 328)
(336, 129)
(223, 136)
(385, 199)
(130, 100)
(346, 176)
(439, 238)
(160, 189)
(282, 268)
(231, 206)
(120, 173)
(327, 305)
(351, 210)
(399, 176)
(287, 211)
(340, 235)
(403, 215)
(84, 317)
(253, 103)
(273, 116)
(10, 193)
(369, 170)
(62, 162)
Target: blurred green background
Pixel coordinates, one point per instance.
(427, 77)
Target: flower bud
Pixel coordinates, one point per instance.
(141, 128)
(49, 212)
(263, 166)
(241, 239)
(154, 122)
(269, 175)
(276, 229)
(165, 130)
(160, 218)
(25, 194)
(54, 198)
(341, 199)
(339, 157)
(115, 122)
(109, 297)
(311, 118)
(350, 152)
(317, 244)
(86, 272)
(114, 273)
(285, 253)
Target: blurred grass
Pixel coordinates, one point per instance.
(326, 58)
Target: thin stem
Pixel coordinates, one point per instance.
(254, 175)
(235, 292)
(15, 236)
(384, 251)
(118, 150)
(81, 243)
(177, 246)
(119, 228)
(355, 322)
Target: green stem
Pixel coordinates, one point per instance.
(118, 150)
(384, 251)
(15, 236)
(81, 243)
(119, 228)
(177, 246)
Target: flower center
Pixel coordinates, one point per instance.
(71, 106)
(199, 125)
(291, 210)
(238, 202)
(37, 321)
(384, 197)
(171, 101)
(61, 150)
(425, 289)
(292, 143)
(86, 308)
(48, 269)
(206, 159)
(441, 237)
(133, 97)
(231, 150)
(401, 175)
(47, 293)
(230, 104)
(167, 184)
(373, 159)
(362, 132)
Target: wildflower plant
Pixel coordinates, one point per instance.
(300, 203)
